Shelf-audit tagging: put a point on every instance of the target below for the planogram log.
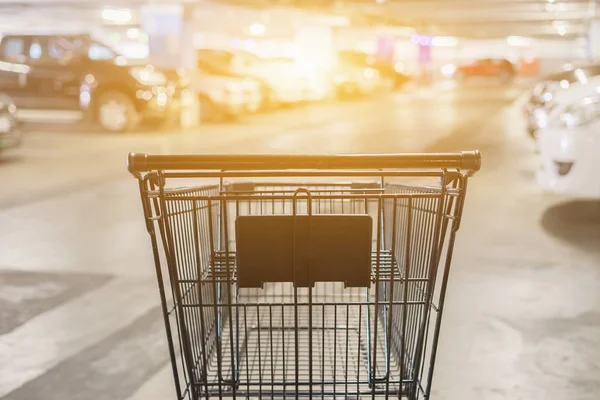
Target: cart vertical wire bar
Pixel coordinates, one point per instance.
(247, 361)
(147, 208)
(368, 319)
(296, 345)
(200, 298)
(377, 295)
(229, 286)
(391, 303)
(259, 353)
(310, 298)
(335, 310)
(237, 318)
(323, 351)
(215, 305)
(184, 263)
(283, 354)
(172, 263)
(407, 264)
(432, 274)
(419, 252)
(346, 377)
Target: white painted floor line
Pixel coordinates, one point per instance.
(46, 340)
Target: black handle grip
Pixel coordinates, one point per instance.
(466, 160)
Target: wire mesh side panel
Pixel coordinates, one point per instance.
(421, 247)
(187, 234)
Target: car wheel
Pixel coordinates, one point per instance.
(115, 112)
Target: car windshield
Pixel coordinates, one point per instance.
(82, 46)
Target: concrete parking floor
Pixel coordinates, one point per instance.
(79, 315)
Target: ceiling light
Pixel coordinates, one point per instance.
(561, 30)
(256, 29)
(518, 41)
(444, 41)
(133, 33)
(551, 1)
(380, 1)
(117, 15)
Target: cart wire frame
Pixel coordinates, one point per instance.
(283, 340)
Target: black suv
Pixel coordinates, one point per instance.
(76, 72)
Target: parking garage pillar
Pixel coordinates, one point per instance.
(593, 41)
(170, 29)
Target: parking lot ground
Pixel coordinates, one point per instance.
(80, 317)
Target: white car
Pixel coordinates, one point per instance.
(280, 83)
(545, 91)
(286, 82)
(224, 95)
(569, 141)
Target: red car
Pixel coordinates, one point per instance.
(487, 67)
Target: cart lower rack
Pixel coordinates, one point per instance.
(303, 276)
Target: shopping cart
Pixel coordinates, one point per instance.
(274, 284)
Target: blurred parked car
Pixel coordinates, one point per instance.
(355, 77)
(279, 83)
(10, 133)
(569, 146)
(224, 94)
(544, 92)
(500, 68)
(75, 72)
(389, 72)
(315, 81)
(562, 99)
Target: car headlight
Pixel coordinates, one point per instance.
(148, 76)
(546, 96)
(580, 113)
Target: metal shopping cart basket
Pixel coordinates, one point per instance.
(303, 276)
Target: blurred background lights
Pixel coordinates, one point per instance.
(133, 33)
(518, 41)
(121, 15)
(256, 29)
(448, 70)
(444, 41)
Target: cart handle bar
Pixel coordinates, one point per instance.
(466, 160)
